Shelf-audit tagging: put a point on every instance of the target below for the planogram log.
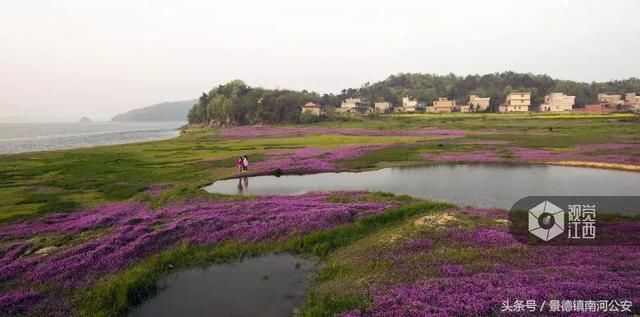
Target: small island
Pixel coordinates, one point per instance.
(84, 120)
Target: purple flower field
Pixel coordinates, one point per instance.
(312, 159)
(482, 294)
(247, 132)
(131, 232)
(618, 153)
(456, 271)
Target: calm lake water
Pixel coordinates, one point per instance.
(476, 185)
(32, 137)
(267, 286)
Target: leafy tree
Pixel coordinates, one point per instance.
(236, 103)
(307, 117)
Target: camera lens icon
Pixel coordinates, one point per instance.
(546, 221)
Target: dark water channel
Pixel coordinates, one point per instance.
(270, 285)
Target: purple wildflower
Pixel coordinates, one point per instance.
(18, 303)
(453, 270)
(607, 146)
(312, 159)
(470, 157)
(582, 153)
(493, 238)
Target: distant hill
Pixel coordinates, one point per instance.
(84, 120)
(166, 111)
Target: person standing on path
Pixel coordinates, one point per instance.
(245, 163)
(240, 164)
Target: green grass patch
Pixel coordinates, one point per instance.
(404, 153)
(328, 305)
(321, 243)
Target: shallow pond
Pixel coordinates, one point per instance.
(482, 185)
(270, 285)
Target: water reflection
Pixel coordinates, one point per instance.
(243, 184)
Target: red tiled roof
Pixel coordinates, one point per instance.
(311, 105)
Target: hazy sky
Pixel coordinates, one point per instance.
(63, 59)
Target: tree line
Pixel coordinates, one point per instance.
(236, 103)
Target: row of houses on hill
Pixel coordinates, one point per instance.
(410, 104)
(520, 101)
(517, 101)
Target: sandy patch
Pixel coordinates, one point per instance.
(618, 166)
(435, 220)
